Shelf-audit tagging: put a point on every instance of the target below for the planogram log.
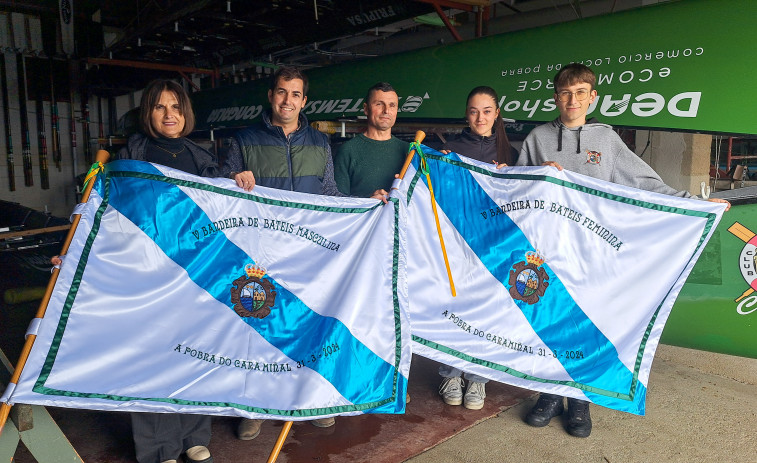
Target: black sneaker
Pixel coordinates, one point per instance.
(579, 419)
(547, 407)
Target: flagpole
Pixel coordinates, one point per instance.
(279, 442)
(102, 157)
(419, 136)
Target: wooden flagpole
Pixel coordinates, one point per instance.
(102, 157)
(279, 442)
(419, 136)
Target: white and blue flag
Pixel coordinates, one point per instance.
(563, 282)
(186, 294)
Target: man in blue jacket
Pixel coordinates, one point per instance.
(282, 151)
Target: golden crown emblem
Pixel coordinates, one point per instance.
(533, 257)
(254, 270)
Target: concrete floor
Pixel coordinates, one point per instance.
(105, 437)
(701, 407)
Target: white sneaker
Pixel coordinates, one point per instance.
(451, 390)
(475, 394)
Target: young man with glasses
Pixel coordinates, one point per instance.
(587, 147)
(594, 149)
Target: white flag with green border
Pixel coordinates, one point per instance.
(186, 294)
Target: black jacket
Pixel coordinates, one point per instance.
(136, 148)
(475, 146)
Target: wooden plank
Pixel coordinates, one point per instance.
(7, 235)
(47, 442)
(8, 440)
(39, 432)
(22, 417)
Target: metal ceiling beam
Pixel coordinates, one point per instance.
(157, 21)
(481, 7)
(482, 21)
(577, 7)
(183, 70)
(449, 4)
(479, 3)
(449, 25)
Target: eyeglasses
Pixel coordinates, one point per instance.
(580, 95)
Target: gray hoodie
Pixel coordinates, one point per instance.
(592, 149)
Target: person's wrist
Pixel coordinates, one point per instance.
(232, 174)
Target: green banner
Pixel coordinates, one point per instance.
(717, 307)
(680, 65)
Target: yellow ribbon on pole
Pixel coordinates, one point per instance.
(416, 147)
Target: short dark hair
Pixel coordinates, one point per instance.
(288, 73)
(504, 150)
(151, 96)
(379, 87)
(574, 73)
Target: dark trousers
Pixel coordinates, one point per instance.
(164, 436)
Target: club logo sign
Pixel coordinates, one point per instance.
(528, 281)
(412, 103)
(252, 295)
(748, 267)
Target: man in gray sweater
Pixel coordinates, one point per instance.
(593, 149)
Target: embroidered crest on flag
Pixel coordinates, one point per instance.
(252, 295)
(528, 281)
